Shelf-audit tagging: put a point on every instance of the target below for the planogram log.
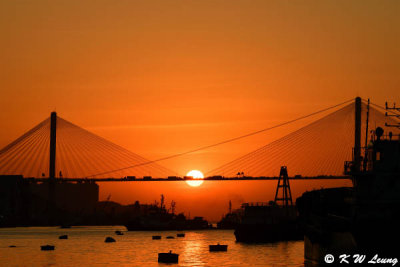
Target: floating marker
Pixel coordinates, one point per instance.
(109, 239)
(47, 247)
(218, 247)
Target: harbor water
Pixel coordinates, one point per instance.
(85, 246)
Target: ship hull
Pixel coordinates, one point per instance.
(266, 233)
(337, 221)
(335, 243)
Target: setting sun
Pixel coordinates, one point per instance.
(198, 175)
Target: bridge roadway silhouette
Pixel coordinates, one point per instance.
(177, 179)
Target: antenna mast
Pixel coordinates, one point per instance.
(392, 115)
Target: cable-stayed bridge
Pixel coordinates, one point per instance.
(59, 149)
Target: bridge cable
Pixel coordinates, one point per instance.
(225, 141)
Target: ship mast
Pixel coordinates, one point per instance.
(357, 136)
(366, 140)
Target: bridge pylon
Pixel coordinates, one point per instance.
(52, 169)
(53, 138)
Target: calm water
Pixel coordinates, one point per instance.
(86, 247)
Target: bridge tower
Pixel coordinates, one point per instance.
(52, 170)
(286, 193)
(53, 137)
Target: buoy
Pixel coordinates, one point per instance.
(168, 257)
(156, 237)
(218, 247)
(63, 237)
(170, 237)
(109, 239)
(47, 247)
(180, 235)
(119, 232)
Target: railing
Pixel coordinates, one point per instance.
(365, 162)
(258, 204)
(390, 136)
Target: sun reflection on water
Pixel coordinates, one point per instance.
(193, 253)
(85, 247)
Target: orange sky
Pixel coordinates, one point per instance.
(162, 77)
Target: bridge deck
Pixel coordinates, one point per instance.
(175, 179)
